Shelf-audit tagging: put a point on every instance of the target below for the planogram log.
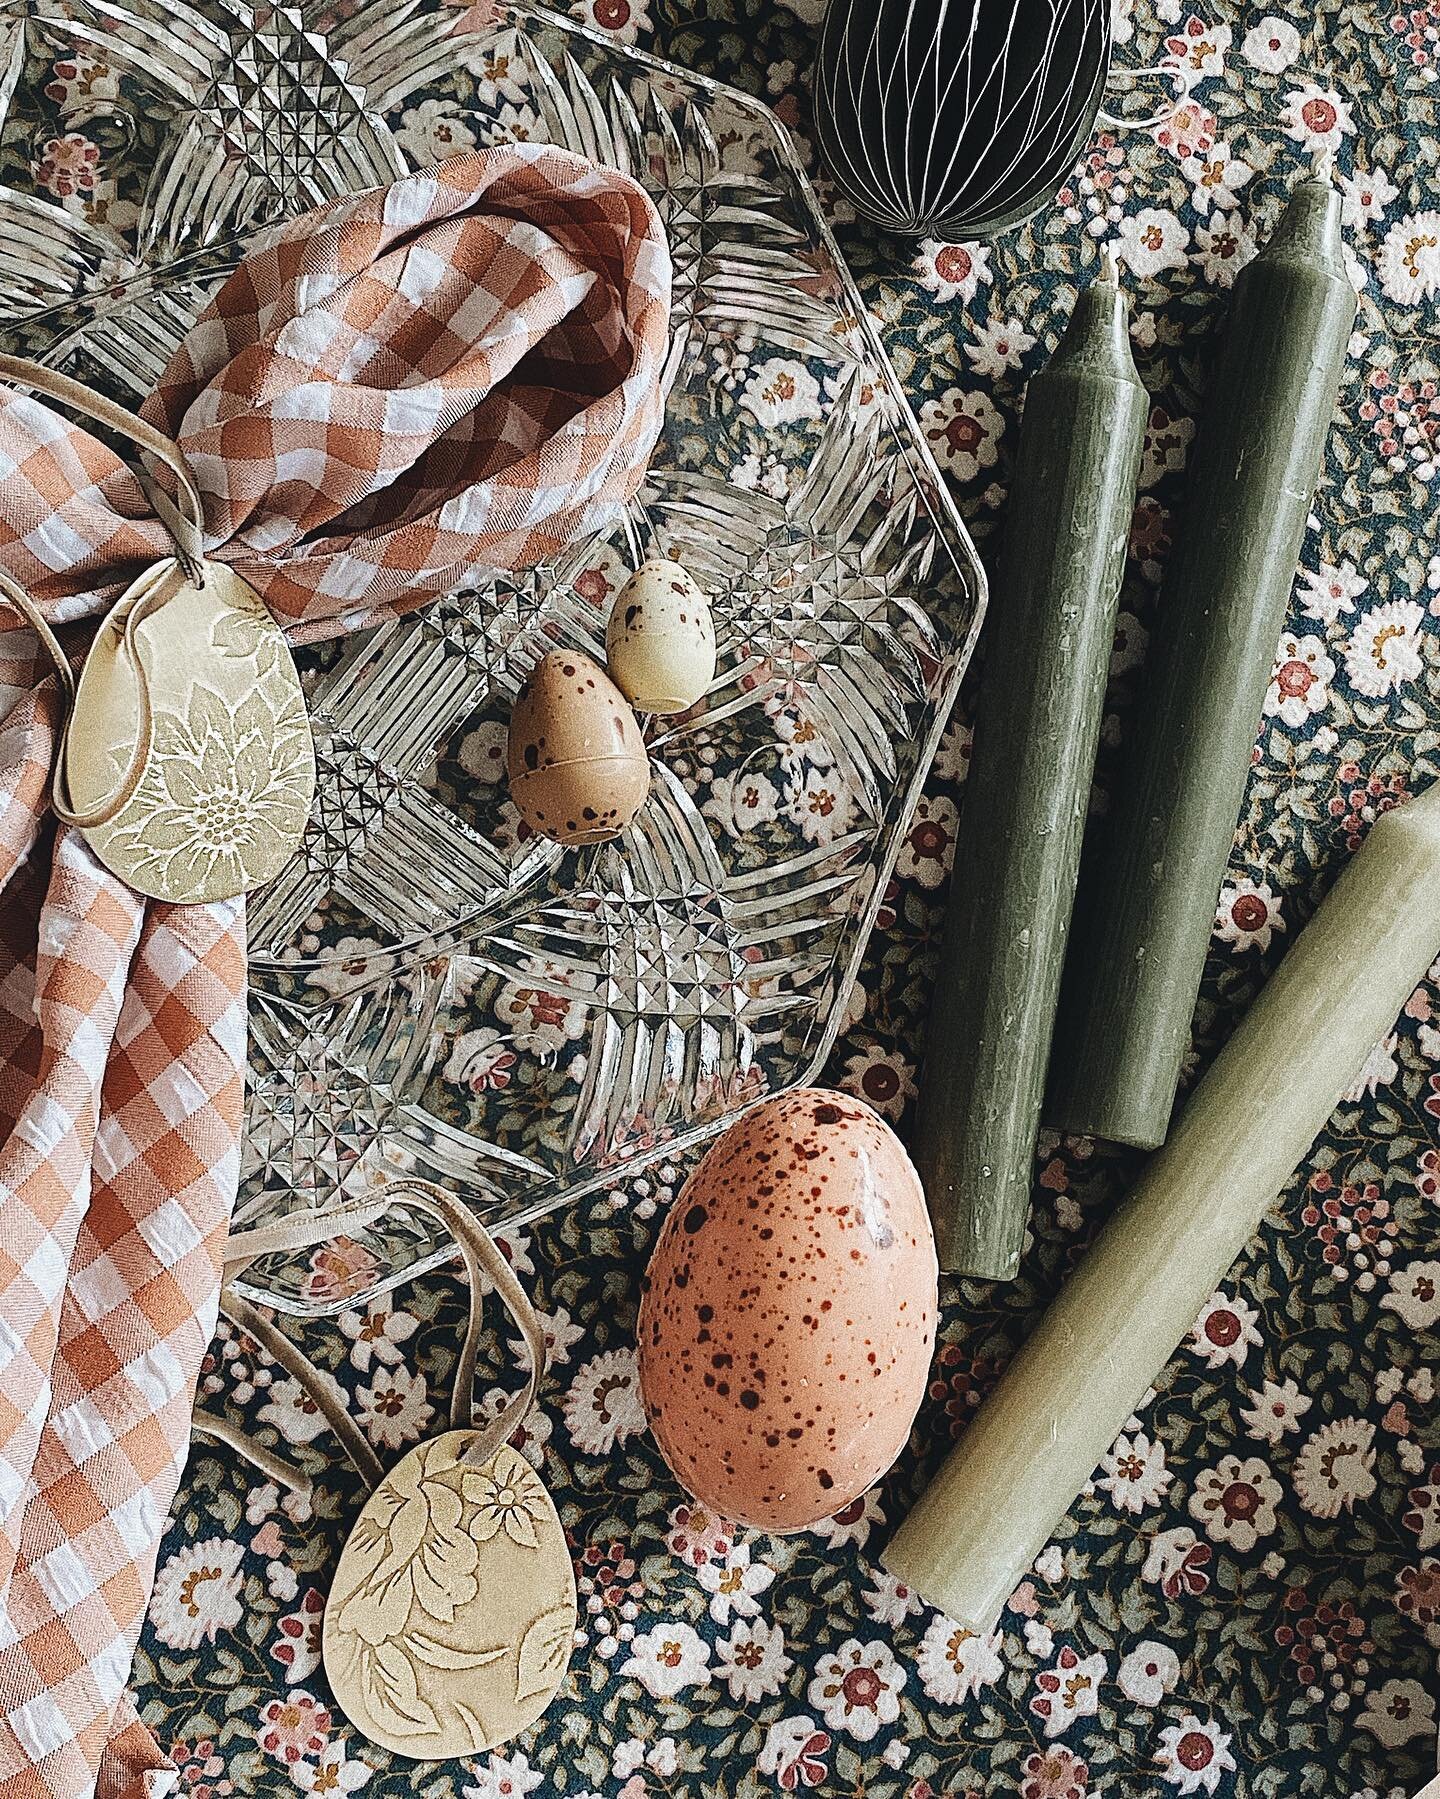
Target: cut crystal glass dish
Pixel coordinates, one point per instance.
(431, 988)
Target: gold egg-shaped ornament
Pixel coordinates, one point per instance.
(576, 760)
(451, 1618)
(660, 640)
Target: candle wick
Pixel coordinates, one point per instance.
(1324, 167)
(1109, 265)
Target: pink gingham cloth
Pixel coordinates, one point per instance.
(461, 372)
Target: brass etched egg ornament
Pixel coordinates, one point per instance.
(957, 118)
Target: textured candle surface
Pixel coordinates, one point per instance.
(1037, 1439)
(1018, 852)
(1147, 893)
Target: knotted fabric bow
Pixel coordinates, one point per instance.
(461, 371)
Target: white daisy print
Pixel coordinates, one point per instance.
(1068, 1690)
(1133, 1473)
(882, 1077)
(857, 1688)
(336, 1771)
(1384, 649)
(1275, 1410)
(1335, 1467)
(1247, 913)
(1216, 177)
(1299, 681)
(543, 1012)
(1328, 590)
(1378, 1070)
(1223, 246)
(1186, 129)
(482, 751)
(820, 805)
(733, 1583)
(854, 1522)
(964, 430)
(1367, 193)
(752, 1661)
(952, 271)
(1176, 1562)
(1235, 1501)
(667, 1659)
(1198, 49)
(888, 1600)
(527, 1439)
(1153, 239)
(1415, 1294)
(954, 1663)
(999, 345)
(1225, 1331)
(625, 20)
(1316, 117)
(496, 64)
(434, 131)
(782, 391)
(1165, 446)
(602, 1407)
(741, 802)
(1194, 1754)
(481, 1060)
(197, 1593)
(504, 1777)
(561, 1336)
(289, 1407)
(927, 848)
(793, 1753)
(394, 1409)
(376, 1334)
(1409, 259)
(1398, 1711)
(1271, 45)
(1148, 1673)
(298, 1648)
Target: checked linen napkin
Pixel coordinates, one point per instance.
(460, 371)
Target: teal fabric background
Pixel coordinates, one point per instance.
(1248, 1599)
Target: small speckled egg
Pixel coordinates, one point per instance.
(660, 641)
(789, 1311)
(575, 757)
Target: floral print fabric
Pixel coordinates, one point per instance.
(1247, 1600)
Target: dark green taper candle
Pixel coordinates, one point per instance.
(1147, 893)
(1051, 624)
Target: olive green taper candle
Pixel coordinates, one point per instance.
(1037, 1439)
(1147, 894)
(1023, 813)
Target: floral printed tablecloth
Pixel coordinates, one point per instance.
(1248, 1598)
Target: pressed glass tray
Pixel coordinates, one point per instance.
(430, 989)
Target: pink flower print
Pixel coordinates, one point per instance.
(68, 166)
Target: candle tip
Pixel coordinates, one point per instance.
(1109, 265)
(1324, 165)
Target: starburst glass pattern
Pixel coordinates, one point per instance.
(432, 987)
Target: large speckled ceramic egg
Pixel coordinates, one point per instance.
(789, 1313)
(660, 640)
(576, 760)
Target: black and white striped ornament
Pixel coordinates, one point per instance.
(957, 118)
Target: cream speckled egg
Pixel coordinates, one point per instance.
(789, 1312)
(576, 760)
(660, 641)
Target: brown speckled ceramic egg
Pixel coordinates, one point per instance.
(576, 759)
(789, 1313)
